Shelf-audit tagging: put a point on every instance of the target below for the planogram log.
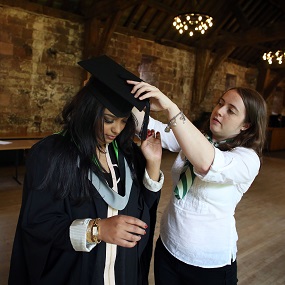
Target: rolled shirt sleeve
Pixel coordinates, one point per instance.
(240, 165)
(77, 233)
(152, 185)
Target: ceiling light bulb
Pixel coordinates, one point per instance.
(194, 22)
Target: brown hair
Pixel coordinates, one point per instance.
(256, 116)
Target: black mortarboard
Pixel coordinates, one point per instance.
(109, 84)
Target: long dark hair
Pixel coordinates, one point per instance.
(255, 115)
(74, 154)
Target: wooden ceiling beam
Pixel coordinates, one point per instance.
(174, 44)
(96, 43)
(205, 66)
(225, 12)
(65, 4)
(152, 19)
(138, 34)
(251, 37)
(130, 19)
(273, 83)
(106, 8)
(241, 18)
(110, 27)
(279, 3)
(163, 8)
(41, 9)
(140, 21)
(232, 20)
(91, 38)
(261, 35)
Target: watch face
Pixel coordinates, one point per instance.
(94, 231)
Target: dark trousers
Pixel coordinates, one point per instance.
(170, 271)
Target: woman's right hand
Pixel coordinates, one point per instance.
(121, 230)
(158, 101)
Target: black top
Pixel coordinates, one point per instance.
(42, 251)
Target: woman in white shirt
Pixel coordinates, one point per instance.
(198, 237)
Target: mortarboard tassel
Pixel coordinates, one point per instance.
(143, 131)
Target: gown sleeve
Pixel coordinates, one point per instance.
(43, 222)
(44, 219)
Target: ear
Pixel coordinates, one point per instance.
(245, 126)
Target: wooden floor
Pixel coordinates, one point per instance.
(260, 220)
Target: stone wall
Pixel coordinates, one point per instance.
(172, 71)
(39, 72)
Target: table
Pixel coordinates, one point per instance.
(23, 136)
(18, 145)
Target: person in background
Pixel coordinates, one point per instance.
(90, 193)
(214, 168)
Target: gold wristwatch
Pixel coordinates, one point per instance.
(95, 231)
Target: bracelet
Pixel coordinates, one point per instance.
(95, 231)
(88, 231)
(172, 121)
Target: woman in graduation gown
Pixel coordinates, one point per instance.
(90, 193)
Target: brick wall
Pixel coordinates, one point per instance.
(39, 72)
(172, 71)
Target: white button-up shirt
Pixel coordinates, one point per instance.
(200, 228)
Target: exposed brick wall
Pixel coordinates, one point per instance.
(39, 72)
(172, 71)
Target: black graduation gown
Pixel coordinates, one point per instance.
(42, 252)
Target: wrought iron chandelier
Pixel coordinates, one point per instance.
(192, 23)
(271, 57)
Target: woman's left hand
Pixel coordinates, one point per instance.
(151, 146)
(152, 151)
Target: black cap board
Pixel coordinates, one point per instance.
(108, 84)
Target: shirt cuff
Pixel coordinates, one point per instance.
(152, 185)
(77, 233)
